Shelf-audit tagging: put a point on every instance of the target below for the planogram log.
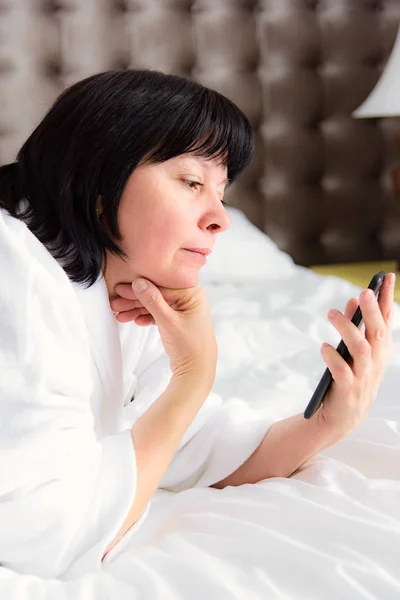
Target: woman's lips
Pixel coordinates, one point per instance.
(196, 255)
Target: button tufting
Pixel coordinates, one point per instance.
(296, 68)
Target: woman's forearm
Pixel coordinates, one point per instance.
(288, 444)
(156, 436)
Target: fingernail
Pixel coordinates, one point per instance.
(139, 285)
(332, 313)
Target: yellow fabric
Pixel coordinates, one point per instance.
(361, 273)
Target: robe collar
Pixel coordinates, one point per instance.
(104, 336)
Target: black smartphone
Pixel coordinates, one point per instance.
(326, 379)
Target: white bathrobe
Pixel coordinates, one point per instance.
(68, 371)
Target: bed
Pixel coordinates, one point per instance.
(330, 531)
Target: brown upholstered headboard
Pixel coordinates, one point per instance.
(320, 182)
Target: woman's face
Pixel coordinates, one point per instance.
(162, 212)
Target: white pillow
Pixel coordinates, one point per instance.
(244, 252)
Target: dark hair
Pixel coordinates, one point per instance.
(90, 141)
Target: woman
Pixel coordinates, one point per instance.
(123, 182)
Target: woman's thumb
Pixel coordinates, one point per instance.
(140, 285)
(150, 296)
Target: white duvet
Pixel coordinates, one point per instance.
(331, 531)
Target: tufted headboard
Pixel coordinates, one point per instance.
(320, 184)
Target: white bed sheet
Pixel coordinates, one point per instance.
(331, 531)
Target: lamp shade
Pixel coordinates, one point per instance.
(384, 100)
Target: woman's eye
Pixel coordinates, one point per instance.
(192, 184)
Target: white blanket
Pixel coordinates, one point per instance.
(331, 531)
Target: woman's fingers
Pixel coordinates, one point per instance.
(129, 308)
(141, 316)
(351, 308)
(377, 318)
(349, 311)
(122, 304)
(376, 327)
(144, 320)
(125, 291)
(127, 300)
(358, 346)
(355, 384)
(340, 370)
(386, 298)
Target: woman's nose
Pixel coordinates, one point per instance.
(218, 217)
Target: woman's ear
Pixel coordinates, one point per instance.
(99, 206)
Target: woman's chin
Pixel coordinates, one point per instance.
(179, 280)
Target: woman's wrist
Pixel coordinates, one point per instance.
(333, 431)
(198, 380)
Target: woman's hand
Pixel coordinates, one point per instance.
(184, 321)
(127, 306)
(355, 385)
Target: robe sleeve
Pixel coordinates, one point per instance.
(219, 440)
(64, 493)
